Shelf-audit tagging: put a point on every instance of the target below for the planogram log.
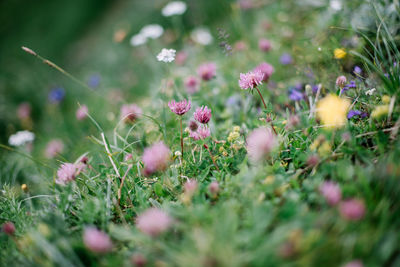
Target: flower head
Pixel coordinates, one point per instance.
(53, 148)
(8, 228)
(266, 69)
(153, 222)
(152, 31)
(190, 187)
(56, 95)
(356, 113)
(202, 114)
(130, 112)
(21, 138)
(295, 95)
(341, 81)
(180, 58)
(24, 111)
(166, 55)
(191, 84)
(97, 241)
(380, 111)
(339, 53)
(156, 158)
(260, 143)
(251, 79)
(348, 86)
(180, 108)
(213, 188)
(207, 71)
(332, 111)
(200, 133)
(66, 173)
(352, 209)
(286, 59)
(202, 36)
(264, 45)
(331, 192)
(174, 8)
(354, 263)
(81, 112)
(94, 81)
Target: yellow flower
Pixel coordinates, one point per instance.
(339, 53)
(236, 128)
(332, 111)
(233, 136)
(325, 149)
(270, 179)
(385, 99)
(24, 187)
(380, 111)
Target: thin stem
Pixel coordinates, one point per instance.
(212, 158)
(262, 99)
(181, 135)
(122, 183)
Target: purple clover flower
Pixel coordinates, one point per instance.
(286, 59)
(356, 113)
(56, 95)
(348, 86)
(295, 95)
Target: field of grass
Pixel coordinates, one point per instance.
(200, 133)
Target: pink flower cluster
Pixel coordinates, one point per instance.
(207, 71)
(251, 79)
(180, 108)
(82, 112)
(54, 148)
(97, 241)
(260, 143)
(331, 191)
(202, 114)
(156, 158)
(264, 45)
(153, 222)
(191, 84)
(266, 69)
(68, 172)
(352, 209)
(202, 132)
(130, 113)
(190, 187)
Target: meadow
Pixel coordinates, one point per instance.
(200, 133)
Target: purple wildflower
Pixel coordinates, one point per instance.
(251, 79)
(207, 71)
(266, 69)
(356, 113)
(94, 81)
(153, 222)
(97, 241)
(286, 59)
(331, 192)
(295, 95)
(202, 114)
(180, 108)
(56, 95)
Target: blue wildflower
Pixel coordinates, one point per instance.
(348, 86)
(295, 95)
(94, 81)
(56, 95)
(286, 59)
(356, 113)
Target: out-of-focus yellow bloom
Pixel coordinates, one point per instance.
(24, 187)
(236, 146)
(282, 189)
(385, 99)
(325, 149)
(233, 136)
(332, 111)
(380, 111)
(236, 128)
(270, 179)
(339, 53)
(314, 145)
(44, 229)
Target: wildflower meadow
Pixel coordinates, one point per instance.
(200, 133)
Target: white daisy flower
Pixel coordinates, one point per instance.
(138, 39)
(370, 92)
(201, 36)
(152, 31)
(166, 55)
(20, 138)
(174, 8)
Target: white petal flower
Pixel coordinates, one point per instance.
(166, 55)
(138, 39)
(21, 138)
(174, 8)
(370, 92)
(202, 36)
(152, 31)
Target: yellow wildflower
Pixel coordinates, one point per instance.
(269, 180)
(236, 128)
(332, 111)
(24, 187)
(385, 99)
(325, 149)
(339, 53)
(233, 136)
(380, 111)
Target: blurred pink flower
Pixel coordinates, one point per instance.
(138, 260)
(355, 263)
(24, 111)
(53, 148)
(207, 71)
(191, 84)
(341, 81)
(66, 173)
(130, 112)
(331, 192)
(180, 58)
(266, 69)
(97, 241)
(260, 143)
(180, 108)
(251, 79)
(8, 228)
(264, 45)
(190, 187)
(352, 209)
(240, 46)
(200, 133)
(202, 114)
(246, 4)
(214, 188)
(153, 221)
(156, 158)
(81, 112)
